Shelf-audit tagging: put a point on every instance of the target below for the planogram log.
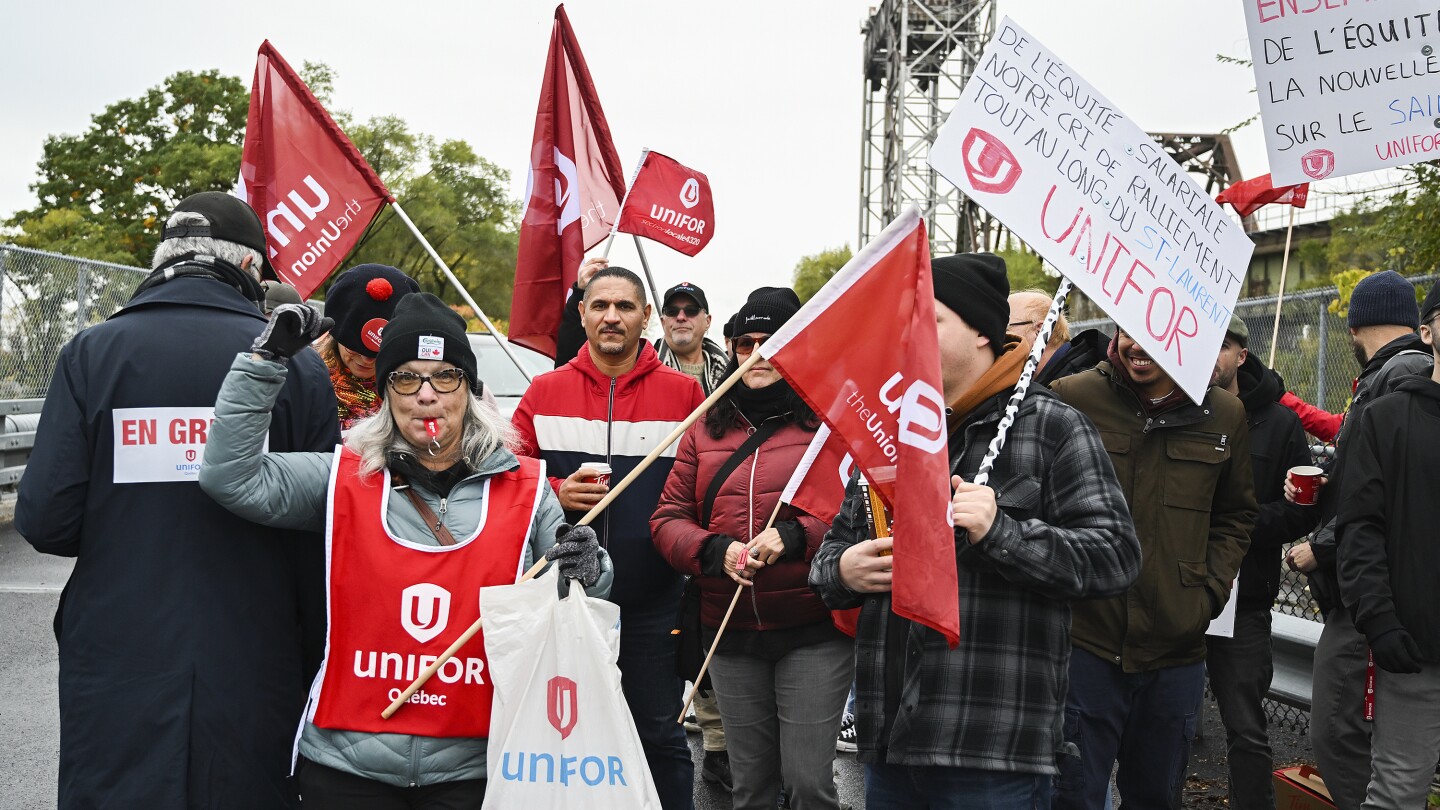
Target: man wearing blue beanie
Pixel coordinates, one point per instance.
(1383, 319)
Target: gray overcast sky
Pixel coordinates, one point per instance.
(764, 97)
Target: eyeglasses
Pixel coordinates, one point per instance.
(746, 344)
(407, 382)
(1014, 324)
(691, 311)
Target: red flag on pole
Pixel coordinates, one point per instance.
(881, 393)
(311, 187)
(669, 203)
(1248, 196)
(572, 196)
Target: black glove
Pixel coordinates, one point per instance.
(576, 553)
(292, 327)
(1395, 651)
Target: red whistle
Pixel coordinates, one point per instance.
(432, 427)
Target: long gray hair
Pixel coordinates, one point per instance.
(484, 431)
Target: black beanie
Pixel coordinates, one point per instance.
(766, 310)
(423, 328)
(975, 287)
(362, 300)
(1383, 299)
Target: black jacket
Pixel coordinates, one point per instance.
(1084, 351)
(1399, 358)
(182, 669)
(1277, 443)
(1388, 551)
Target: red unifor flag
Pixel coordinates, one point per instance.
(1248, 195)
(302, 175)
(818, 487)
(864, 353)
(572, 196)
(670, 203)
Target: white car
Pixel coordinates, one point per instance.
(499, 373)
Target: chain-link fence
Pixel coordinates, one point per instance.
(1314, 356)
(45, 299)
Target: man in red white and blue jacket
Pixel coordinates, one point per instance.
(615, 402)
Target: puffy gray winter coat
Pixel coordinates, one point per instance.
(290, 490)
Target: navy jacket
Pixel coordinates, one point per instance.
(182, 631)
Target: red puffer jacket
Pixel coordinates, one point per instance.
(781, 596)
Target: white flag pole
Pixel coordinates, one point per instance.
(425, 243)
(1280, 299)
(605, 254)
(1031, 364)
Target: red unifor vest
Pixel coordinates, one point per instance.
(375, 578)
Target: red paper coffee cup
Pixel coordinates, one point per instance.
(1307, 482)
(598, 471)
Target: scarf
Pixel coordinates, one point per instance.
(355, 398)
(759, 404)
(1001, 376)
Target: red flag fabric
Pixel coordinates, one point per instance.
(572, 196)
(670, 203)
(864, 353)
(1248, 196)
(818, 485)
(311, 187)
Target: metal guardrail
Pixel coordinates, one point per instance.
(1293, 641)
(17, 437)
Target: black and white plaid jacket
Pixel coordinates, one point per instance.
(1063, 532)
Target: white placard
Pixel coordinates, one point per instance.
(154, 445)
(1345, 86)
(1224, 624)
(1038, 147)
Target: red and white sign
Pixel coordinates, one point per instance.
(670, 203)
(572, 194)
(1248, 196)
(313, 190)
(882, 395)
(1086, 187)
(564, 704)
(155, 445)
(817, 486)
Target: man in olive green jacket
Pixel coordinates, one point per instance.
(1138, 670)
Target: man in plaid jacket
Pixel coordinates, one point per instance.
(981, 725)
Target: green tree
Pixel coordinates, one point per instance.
(1025, 271)
(102, 194)
(138, 158)
(811, 272)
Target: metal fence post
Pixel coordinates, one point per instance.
(4, 254)
(1320, 361)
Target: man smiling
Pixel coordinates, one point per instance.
(1138, 666)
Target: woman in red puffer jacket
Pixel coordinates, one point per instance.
(782, 671)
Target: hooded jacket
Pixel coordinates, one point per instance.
(1277, 443)
(1083, 352)
(1401, 357)
(1388, 553)
(1188, 481)
(577, 413)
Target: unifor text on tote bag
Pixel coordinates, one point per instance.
(561, 734)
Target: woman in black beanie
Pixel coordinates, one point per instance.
(361, 302)
(782, 670)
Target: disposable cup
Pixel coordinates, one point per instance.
(598, 471)
(1307, 482)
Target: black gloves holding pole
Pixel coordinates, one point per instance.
(292, 327)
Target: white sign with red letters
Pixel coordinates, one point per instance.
(159, 445)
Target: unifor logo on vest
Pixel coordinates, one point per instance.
(424, 610)
(299, 214)
(563, 704)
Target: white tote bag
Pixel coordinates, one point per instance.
(561, 734)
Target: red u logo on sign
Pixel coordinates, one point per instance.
(563, 705)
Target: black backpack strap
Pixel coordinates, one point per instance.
(764, 432)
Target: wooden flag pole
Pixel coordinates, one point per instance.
(704, 667)
(1280, 299)
(444, 268)
(594, 512)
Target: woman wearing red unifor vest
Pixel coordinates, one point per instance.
(423, 505)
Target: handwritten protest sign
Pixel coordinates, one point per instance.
(1345, 87)
(1038, 147)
